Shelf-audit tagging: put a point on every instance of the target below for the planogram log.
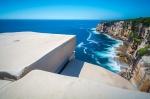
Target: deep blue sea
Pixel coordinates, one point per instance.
(92, 47)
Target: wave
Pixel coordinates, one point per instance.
(113, 65)
(80, 45)
(118, 42)
(94, 31)
(97, 61)
(89, 38)
(108, 36)
(84, 50)
(109, 52)
(104, 54)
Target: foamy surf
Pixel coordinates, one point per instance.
(108, 53)
(89, 38)
(94, 31)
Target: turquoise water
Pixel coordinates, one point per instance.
(92, 47)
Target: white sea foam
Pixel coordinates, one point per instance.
(80, 45)
(94, 31)
(97, 61)
(92, 41)
(108, 36)
(113, 64)
(110, 54)
(89, 38)
(84, 50)
(104, 54)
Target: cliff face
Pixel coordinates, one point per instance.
(141, 75)
(136, 36)
(115, 29)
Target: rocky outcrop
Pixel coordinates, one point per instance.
(136, 36)
(119, 29)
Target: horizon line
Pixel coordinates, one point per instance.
(70, 19)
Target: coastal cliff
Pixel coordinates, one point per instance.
(135, 33)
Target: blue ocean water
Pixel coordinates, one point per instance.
(92, 47)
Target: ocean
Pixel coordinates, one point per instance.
(93, 47)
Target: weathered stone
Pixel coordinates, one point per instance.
(45, 85)
(141, 76)
(22, 52)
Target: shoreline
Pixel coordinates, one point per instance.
(114, 63)
(119, 43)
(120, 55)
(134, 52)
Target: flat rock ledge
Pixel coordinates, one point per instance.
(33, 61)
(22, 52)
(45, 85)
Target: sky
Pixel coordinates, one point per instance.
(74, 9)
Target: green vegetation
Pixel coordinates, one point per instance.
(137, 40)
(144, 51)
(145, 21)
(134, 37)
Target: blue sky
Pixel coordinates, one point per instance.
(73, 9)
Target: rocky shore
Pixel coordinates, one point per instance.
(135, 51)
(45, 61)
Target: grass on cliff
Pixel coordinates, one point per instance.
(144, 51)
(145, 21)
(134, 37)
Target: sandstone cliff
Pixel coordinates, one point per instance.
(136, 49)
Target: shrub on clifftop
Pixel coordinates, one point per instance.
(134, 37)
(144, 51)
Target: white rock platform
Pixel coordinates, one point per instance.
(4, 83)
(45, 85)
(96, 73)
(33, 59)
(21, 52)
